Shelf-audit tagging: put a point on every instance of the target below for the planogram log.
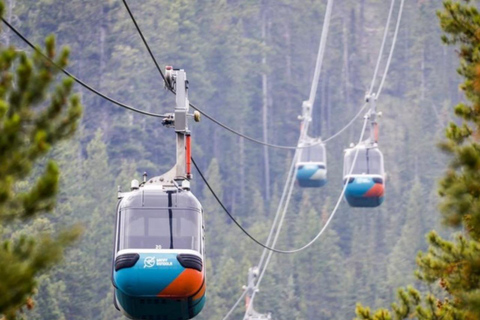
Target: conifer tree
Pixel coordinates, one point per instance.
(454, 265)
(36, 112)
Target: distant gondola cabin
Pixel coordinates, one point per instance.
(364, 175)
(312, 165)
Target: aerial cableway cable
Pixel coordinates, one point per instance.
(288, 189)
(392, 48)
(233, 218)
(382, 47)
(356, 154)
(324, 228)
(80, 82)
(157, 115)
(235, 305)
(144, 41)
(224, 126)
(305, 126)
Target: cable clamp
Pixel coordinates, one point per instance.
(170, 78)
(169, 120)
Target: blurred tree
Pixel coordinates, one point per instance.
(34, 116)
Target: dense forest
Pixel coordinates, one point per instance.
(249, 65)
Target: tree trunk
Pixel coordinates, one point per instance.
(265, 107)
(241, 141)
(346, 63)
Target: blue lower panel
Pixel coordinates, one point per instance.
(306, 179)
(311, 183)
(364, 192)
(364, 202)
(198, 306)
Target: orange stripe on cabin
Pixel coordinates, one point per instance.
(376, 191)
(185, 285)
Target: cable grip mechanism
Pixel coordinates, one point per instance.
(170, 78)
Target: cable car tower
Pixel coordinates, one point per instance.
(251, 314)
(158, 270)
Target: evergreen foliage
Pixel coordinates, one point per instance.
(453, 265)
(37, 110)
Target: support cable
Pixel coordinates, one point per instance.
(343, 191)
(319, 234)
(144, 40)
(306, 122)
(287, 189)
(385, 33)
(224, 126)
(397, 27)
(233, 218)
(235, 305)
(335, 209)
(321, 53)
(80, 82)
(356, 153)
(270, 145)
(347, 125)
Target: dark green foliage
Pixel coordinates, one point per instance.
(36, 112)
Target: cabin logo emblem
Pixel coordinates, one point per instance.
(149, 262)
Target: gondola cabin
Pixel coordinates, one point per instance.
(365, 176)
(158, 266)
(312, 165)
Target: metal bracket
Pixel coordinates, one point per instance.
(178, 176)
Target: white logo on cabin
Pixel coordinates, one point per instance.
(363, 180)
(164, 262)
(149, 262)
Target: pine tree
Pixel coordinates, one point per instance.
(454, 265)
(36, 112)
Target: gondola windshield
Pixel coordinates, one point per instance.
(160, 228)
(369, 161)
(314, 153)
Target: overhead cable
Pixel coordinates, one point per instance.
(262, 273)
(80, 82)
(144, 40)
(224, 126)
(283, 213)
(356, 154)
(233, 218)
(384, 40)
(288, 189)
(235, 305)
(321, 53)
(397, 27)
(319, 234)
(347, 125)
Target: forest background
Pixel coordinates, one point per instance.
(365, 255)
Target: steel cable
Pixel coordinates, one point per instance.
(80, 82)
